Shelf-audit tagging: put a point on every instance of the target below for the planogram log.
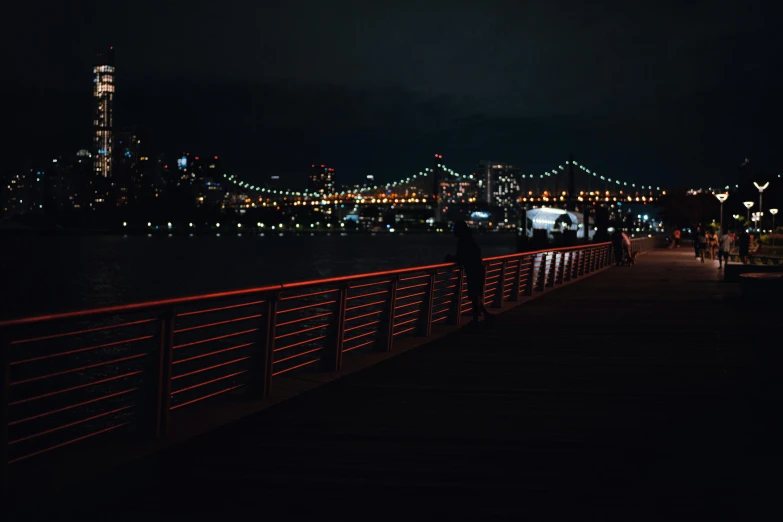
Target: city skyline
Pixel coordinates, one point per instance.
(518, 86)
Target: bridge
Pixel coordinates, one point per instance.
(617, 393)
(533, 187)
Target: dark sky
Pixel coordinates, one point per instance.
(643, 91)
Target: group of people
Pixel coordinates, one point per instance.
(711, 245)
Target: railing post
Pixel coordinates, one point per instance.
(541, 274)
(265, 356)
(333, 352)
(550, 280)
(497, 302)
(5, 384)
(514, 297)
(387, 325)
(568, 273)
(425, 323)
(456, 304)
(530, 272)
(561, 270)
(589, 260)
(163, 384)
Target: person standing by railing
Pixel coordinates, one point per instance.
(724, 247)
(469, 257)
(627, 255)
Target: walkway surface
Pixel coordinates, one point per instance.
(636, 394)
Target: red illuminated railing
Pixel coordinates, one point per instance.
(72, 377)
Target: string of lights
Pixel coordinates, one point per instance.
(231, 178)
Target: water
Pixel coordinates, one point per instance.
(55, 274)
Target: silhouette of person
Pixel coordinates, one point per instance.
(744, 247)
(617, 247)
(469, 257)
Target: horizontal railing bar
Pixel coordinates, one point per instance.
(294, 356)
(69, 425)
(367, 275)
(397, 316)
(68, 443)
(210, 354)
(302, 319)
(367, 295)
(305, 307)
(406, 322)
(72, 406)
(78, 332)
(365, 285)
(414, 303)
(208, 396)
(200, 384)
(81, 368)
(365, 305)
(400, 298)
(297, 332)
(359, 336)
(217, 323)
(360, 345)
(206, 369)
(275, 374)
(300, 296)
(219, 309)
(401, 288)
(361, 326)
(202, 341)
(280, 349)
(74, 388)
(403, 331)
(439, 319)
(81, 350)
(147, 305)
(368, 314)
(414, 277)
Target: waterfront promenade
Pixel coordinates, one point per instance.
(635, 394)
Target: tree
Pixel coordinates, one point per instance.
(679, 209)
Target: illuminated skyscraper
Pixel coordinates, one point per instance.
(103, 92)
(322, 180)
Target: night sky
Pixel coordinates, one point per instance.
(641, 91)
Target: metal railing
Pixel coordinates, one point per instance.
(73, 377)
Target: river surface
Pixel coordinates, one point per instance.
(56, 274)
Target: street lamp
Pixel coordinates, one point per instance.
(773, 211)
(722, 198)
(761, 192)
(748, 204)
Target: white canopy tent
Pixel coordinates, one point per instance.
(558, 220)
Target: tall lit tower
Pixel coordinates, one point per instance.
(103, 92)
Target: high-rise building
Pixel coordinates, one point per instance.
(103, 122)
(322, 180)
(499, 185)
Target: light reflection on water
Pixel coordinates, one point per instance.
(54, 274)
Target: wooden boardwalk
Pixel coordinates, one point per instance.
(637, 394)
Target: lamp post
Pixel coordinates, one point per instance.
(748, 204)
(756, 219)
(761, 192)
(773, 211)
(722, 198)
